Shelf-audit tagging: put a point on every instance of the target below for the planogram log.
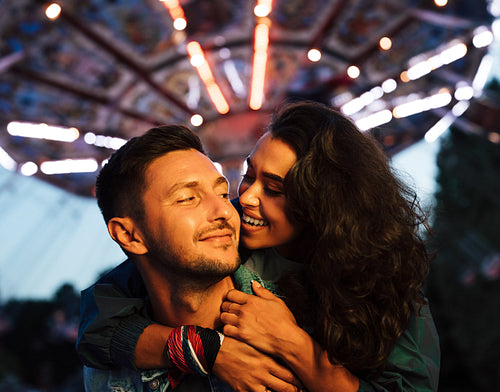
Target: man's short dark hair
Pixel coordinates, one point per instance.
(121, 182)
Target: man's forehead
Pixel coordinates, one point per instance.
(186, 168)
(188, 160)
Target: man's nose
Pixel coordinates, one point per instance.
(221, 209)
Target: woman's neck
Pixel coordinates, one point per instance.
(292, 251)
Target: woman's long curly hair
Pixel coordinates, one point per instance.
(366, 260)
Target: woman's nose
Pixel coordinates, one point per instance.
(249, 196)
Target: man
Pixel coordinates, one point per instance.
(167, 206)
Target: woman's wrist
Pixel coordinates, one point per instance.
(309, 361)
(291, 347)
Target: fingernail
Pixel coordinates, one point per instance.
(257, 284)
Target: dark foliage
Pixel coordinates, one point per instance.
(464, 284)
(37, 344)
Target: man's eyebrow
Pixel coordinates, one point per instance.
(193, 184)
(269, 175)
(221, 180)
(182, 185)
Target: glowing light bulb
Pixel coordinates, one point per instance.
(53, 11)
(28, 169)
(314, 55)
(385, 43)
(353, 72)
(180, 24)
(196, 120)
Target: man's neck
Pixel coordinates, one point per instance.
(192, 306)
(176, 301)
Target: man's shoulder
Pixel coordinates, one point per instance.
(126, 276)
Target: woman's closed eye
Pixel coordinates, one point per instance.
(272, 192)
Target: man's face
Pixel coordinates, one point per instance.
(190, 225)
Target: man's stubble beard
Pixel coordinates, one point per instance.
(199, 269)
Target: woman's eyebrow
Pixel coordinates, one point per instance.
(273, 177)
(269, 175)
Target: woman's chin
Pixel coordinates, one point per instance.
(252, 240)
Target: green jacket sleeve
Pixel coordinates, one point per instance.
(414, 363)
(113, 315)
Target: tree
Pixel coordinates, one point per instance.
(38, 348)
(464, 283)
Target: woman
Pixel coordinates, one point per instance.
(364, 263)
(338, 232)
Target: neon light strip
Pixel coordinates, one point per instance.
(175, 10)
(199, 61)
(42, 131)
(259, 66)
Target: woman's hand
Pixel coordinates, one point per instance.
(264, 321)
(246, 369)
(261, 320)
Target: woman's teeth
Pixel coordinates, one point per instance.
(253, 222)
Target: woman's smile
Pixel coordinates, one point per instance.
(253, 221)
(264, 223)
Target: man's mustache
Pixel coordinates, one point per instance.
(214, 228)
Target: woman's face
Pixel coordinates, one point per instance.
(264, 223)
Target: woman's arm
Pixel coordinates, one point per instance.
(265, 322)
(150, 348)
(414, 363)
(115, 331)
(237, 363)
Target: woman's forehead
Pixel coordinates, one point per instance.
(272, 155)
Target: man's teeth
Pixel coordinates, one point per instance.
(254, 222)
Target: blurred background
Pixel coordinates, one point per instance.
(80, 77)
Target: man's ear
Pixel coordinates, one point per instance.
(126, 233)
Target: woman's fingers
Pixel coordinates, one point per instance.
(283, 381)
(229, 319)
(237, 296)
(231, 330)
(262, 292)
(231, 307)
(284, 374)
(247, 369)
(278, 385)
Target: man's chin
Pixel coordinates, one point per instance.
(228, 268)
(215, 268)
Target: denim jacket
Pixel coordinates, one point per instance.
(127, 380)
